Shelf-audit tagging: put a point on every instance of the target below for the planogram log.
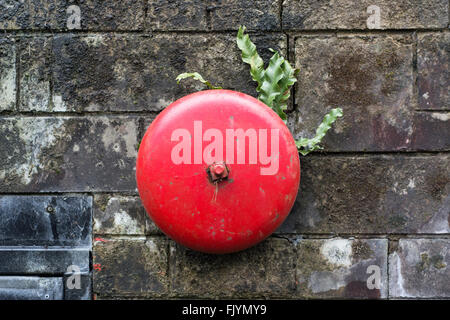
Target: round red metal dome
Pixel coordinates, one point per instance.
(218, 171)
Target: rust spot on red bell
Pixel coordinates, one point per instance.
(218, 171)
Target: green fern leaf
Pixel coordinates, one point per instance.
(305, 145)
(195, 76)
(250, 56)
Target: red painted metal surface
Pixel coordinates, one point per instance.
(204, 197)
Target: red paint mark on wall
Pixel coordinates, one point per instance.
(98, 267)
(100, 239)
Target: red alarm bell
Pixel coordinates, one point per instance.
(218, 171)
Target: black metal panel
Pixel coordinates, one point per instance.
(31, 288)
(45, 220)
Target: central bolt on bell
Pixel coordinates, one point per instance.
(217, 171)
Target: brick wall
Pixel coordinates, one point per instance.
(76, 99)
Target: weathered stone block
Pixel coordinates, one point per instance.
(177, 15)
(45, 221)
(431, 131)
(112, 15)
(97, 73)
(13, 14)
(34, 260)
(31, 288)
(216, 15)
(35, 75)
(135, 73)
(7, 74)
(54, 14)
(131, 267)
(344, 268)
(266, 270)
(371, 79)
(344, 14)
(433, 81)
(419, 268)
(376, 194)
(73, 293)
(254, 14)
(68, 154)
(121, 215)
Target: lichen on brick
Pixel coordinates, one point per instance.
(121, 215)
(376, 194)
(419, 268)
(332, 267)
(369, 77)
(53, 15)
(137, 73)
(131, 267)
(264, 270)
(348, 15)
(7, 74)
(433, 79)
(35, 74)
(67, 153)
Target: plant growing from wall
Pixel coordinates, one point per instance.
(274, 86)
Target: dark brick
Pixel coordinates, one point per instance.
(7, 74)
(419, 268)
(35, 75)
(112, 15)
(266, 270)
(433, 81)
(131, 267)
(177, 15)
(98, 73)
(372, 194)
(45, 220)
(218, 15)
(31, 288)
(371, 79)
(68, 154)
(431, 131)
(12, 14)
(341, 268)
(344, 14)
(121, 215)
(254, 14)
(52, 14)
(34, 260)
(135, 73)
